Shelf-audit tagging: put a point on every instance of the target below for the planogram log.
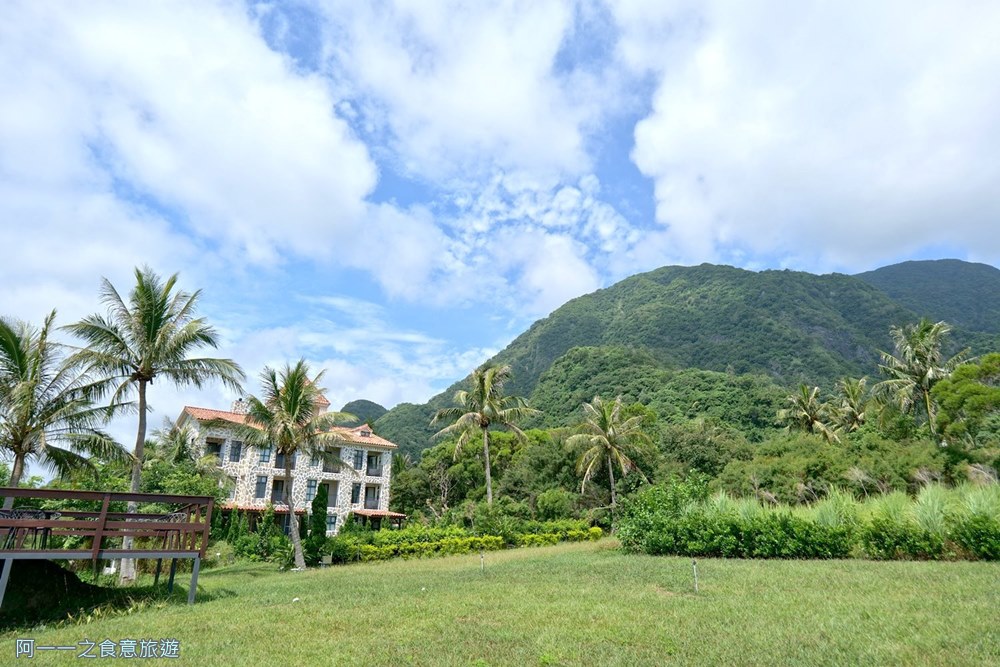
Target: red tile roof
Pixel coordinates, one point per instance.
(352, 434)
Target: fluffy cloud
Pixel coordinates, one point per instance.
(462, 86)
(817, 137)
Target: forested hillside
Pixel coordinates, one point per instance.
(962, 293)
(787, 326)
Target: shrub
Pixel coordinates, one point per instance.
(979, 535)
(886, 538)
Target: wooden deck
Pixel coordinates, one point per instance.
(30, 531)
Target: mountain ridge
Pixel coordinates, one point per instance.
(790, 326)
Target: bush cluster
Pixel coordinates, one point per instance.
(939, 523)
(354, 544)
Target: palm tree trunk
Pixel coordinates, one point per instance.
(128, 565)
(15, 478)
(486, 461)
(293, 527)
(611, 476)
(930, 412)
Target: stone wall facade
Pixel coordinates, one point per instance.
(246, 471)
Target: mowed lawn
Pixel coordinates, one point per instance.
(574, 604)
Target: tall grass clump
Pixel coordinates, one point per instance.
(939, 522)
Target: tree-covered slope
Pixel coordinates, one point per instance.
(965, 294)
(367, 412)
(792, 326)
(747, 403)
(789, 326)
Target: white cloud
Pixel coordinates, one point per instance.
(462, 87)
(823, 137)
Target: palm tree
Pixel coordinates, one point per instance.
(288, 417)
(917, 366)
(146, 338)
(610, 440)
(481, 407)
(854, 401)
(807, 413)
(44, 401)
(174, 443)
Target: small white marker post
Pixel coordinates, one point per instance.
(694, 566)
(482, 562)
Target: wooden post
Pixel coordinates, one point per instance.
(194, 579)
(159, 566)
(7, 564)
(99, 531)
(173, 571)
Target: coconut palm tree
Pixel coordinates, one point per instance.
(852, 412)
(483, 406)
(610, 440)
(808, 413)
(287, 416)
(44, 401)
(917, 366)
(148, 337)
(174, 443)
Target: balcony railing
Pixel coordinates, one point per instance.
(374, 472)
(371, 504)
(181, 532)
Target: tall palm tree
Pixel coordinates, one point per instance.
(148, 337)
(917, 366)
(483, 406)
(852, 412)
(806, 412)
(287, 417)
(610, 440)
(44, 401)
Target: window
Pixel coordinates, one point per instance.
(374, 464)
(371, 497)
(213, 448)
(314, 459)
(235, 451)
(265, 455)
(331, 466)
(359, 459)
(261, 486)
(356, 494)
(278, 491)
(311, 487)
(365, 433)
(279, 461)
(331, 523)
(332, 490)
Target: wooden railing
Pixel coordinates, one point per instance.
(28, 530)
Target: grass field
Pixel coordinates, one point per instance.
(574, 604)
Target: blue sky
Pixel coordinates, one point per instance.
(394, 190)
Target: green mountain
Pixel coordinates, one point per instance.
(780, 327)
(963, 294)
(367, 412)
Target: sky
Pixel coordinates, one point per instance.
(396, 190)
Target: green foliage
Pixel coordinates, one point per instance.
(316, 539)
(939, 523)
(969, 403)
(365, 412)
(963, 293)
(555, 504)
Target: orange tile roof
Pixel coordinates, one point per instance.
(351, 434)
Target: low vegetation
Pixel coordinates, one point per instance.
(573, 604)
(939, 523)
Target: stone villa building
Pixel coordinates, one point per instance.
(258, 475)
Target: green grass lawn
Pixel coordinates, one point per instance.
(573, 604)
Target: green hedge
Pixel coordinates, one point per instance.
(939, 523)
(424, 542)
